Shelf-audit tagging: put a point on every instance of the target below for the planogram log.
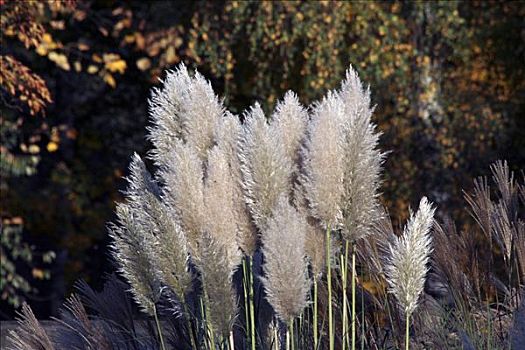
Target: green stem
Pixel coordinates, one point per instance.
(329, 282)
(246, 302)
(163, 347)
(300, 325)
(345, 301)
(315, 314)
(276, 337)
(212, 337)
(287, 338)
(252, 308)
(232, 342)
(292, 341)
(344, 275)
(353, 296)
(188, 323)
(207, 329)
(362, 317)
(407, 335)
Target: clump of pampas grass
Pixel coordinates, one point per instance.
(242, 221)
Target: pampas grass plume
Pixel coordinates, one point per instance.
(323, 161)
(185, 108)
(219, 191)
(362, 160)
(227, 134)
(266, 169)
(183, 179)
(286, 276)
(406, 266)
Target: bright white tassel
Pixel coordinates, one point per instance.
(286, 275)
(406, 267)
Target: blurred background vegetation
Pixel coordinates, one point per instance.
(447, 78)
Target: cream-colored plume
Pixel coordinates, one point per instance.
(289, 121)
(323, 158)
(286, 275)
(185, 108)
(266, 169)
(406, 266)
(227, 134)
(184, 186)
(362, 160)
(220, 215)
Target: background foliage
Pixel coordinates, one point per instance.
(447, 78)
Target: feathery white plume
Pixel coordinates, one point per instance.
(221, 305)
(266, 169)
(406, 266)
(133, 236)
(185, 108)
(201, 112)
(227, 135)
(165, 110)
(219, 191)
(169, 248)
(286, 275)
(362, 160)
(130, 240)
(314, 245)
(323, 158)
(289, 121)
(183, 177)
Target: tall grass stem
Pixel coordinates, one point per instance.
(407, 334)
(316, 336)
(344, 275)
(292, 339)
(329, 282)
(353, 294)
(232, 341)
(252, 307)
(161, 338)
(189, 324)
(245, 282)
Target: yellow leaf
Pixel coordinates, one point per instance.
(96, 58)
(108, 78)
(52, 147)
(143, 63)
(108, 57)
(171, 56)
(41, 50)
(92, 69)
(60, 60)
(9, 31)
(38, 273)
(33, 149)
(46, 38)
(78, 66)
(130, 38)
(116, 66)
